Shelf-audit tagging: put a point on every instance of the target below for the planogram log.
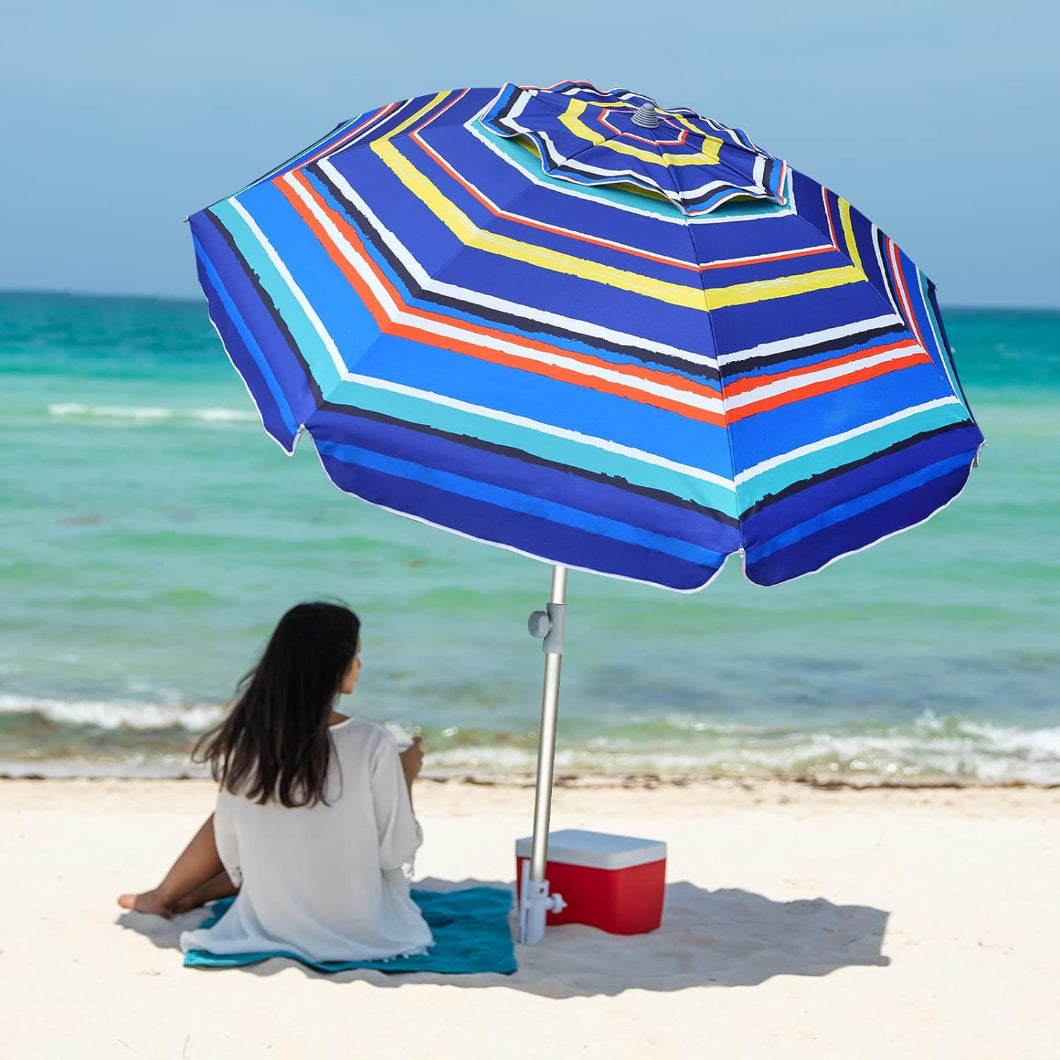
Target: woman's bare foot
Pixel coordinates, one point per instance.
(147, 902)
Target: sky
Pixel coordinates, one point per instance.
(118, 118)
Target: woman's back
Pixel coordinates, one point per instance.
(324, 881)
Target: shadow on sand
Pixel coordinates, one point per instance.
(707, 938)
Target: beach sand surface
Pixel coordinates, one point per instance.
(799, 922)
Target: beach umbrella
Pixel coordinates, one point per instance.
(612, 336)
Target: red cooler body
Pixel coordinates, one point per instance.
(612, 882)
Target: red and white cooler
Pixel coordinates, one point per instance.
(612, 882)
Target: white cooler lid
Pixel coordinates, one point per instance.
(597, 850)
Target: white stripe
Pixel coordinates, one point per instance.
(463, 406)
(521, 551)
(519, 106)
(459, 334)
(943, 355)
(613, 244)
(892, 250)
(528, 313)
(839, 439)
(883, 276)
(810, 338)
(626, 247)
(863, 548)
(562, 161)
(547, 428)
(571, 189)
(803, 379)
(310, 312)
(371, 129)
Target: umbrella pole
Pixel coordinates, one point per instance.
(535, 900)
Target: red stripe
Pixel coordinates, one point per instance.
(744, 386)
(331, 148)
(903, 289)
(428, 336)
(697, 267)
(826, 386)
(828, 214)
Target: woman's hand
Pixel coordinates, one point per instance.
(412, 760)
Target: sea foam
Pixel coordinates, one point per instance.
(149, 413)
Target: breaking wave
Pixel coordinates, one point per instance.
(87, 738)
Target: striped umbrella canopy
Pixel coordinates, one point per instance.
(609, 335)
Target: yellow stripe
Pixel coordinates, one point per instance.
(848, 234)
(684, 120)
(696, 297)
(785, 286)
(572, 119)
(780, 287)
(416, 117)
(555, 261)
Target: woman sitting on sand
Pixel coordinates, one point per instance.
(314, 817)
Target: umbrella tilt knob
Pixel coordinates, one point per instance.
(549, 626)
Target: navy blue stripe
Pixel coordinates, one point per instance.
(826, 494)
(835, 472)
(275, 413)
(613, 499)
(527, 533)
(284, 360)
(814, 551)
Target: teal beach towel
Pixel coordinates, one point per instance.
(470, 928)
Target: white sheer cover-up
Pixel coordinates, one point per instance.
(324, 882)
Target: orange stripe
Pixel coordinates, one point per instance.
(355, 281)
(431, 338)
(744, 386)
(635, 372)
(825, 386)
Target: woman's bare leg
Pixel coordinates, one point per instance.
(197, 866)
(219, 886)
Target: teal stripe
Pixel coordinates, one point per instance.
(563, 451)
(525, 504)
(422, 410)
(254, 349)
(777, 479)
(941, 357)
(528, 161)
(309, 343)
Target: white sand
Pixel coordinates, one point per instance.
(798, 923)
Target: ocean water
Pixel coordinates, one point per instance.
(152, 534)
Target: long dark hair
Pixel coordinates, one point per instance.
(274, 743)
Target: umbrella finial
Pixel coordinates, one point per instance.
(646, 116)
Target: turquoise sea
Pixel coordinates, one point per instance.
(152, 534)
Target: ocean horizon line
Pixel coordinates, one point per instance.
(192, 299)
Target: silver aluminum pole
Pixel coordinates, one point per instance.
(546, 747)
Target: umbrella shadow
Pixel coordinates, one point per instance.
(707, 938)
